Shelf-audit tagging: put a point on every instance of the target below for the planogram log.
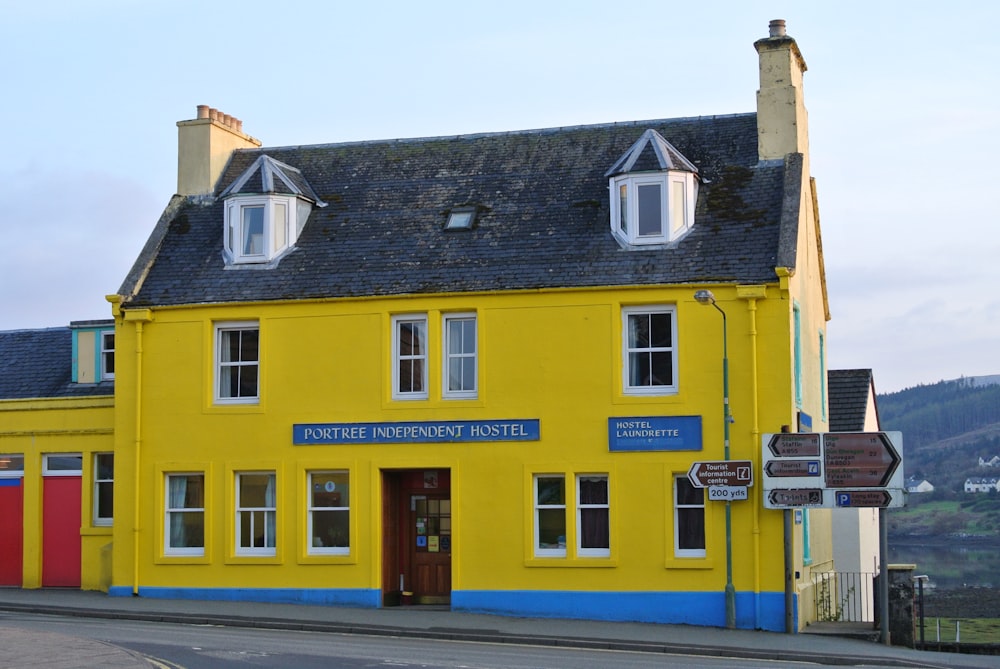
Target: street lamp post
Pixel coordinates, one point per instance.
(706, 297)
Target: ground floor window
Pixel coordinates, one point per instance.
(185, 514)
(593, 521)
(329, 513)
(689, 519)
(256, 505)
(104, 488)
(550, 515)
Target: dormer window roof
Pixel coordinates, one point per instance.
(266, 209)
(653, 189)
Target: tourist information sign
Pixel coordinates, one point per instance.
(721, 473)
(833, 470)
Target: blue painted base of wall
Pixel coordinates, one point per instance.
(707, 609)
(362, 598)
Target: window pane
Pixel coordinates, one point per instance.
(638, 331)
(659, 330)
(253, 230)
(662, 369)
(105, 500)
(254, 490)
(687, 493)
(280, 224)
(623, 208)
(331, 529)
(551, 490)
(330, 489)
(594, 528)
(11, 462)
(411, 354)
(63, 463)
(187, 530)
(650, 210)
(678, 205)
(593, 490)
(551, 528)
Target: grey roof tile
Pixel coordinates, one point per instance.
(39, 364)
(847, 393)
(542, 218)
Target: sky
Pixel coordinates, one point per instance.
(903, 101)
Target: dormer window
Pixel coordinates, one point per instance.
(266, 209)
(653, 192)
(257, 227)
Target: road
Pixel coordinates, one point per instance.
(213, 647)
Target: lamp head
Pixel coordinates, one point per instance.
(705, 297)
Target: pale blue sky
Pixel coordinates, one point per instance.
(902, 97)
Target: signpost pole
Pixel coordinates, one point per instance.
(706, 297)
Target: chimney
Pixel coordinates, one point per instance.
(204, 145)
(782, 120)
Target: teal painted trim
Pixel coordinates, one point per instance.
(806, 544)
(74, 375)
(705, 609)
(360, 597)
(822, 375)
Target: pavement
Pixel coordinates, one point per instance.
(26, 648)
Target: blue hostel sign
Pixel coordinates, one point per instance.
(416, 432)
(654, 433)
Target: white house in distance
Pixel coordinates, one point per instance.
(918, 485)
(976, 484)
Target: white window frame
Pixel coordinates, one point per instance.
(107, 354)
(627, 351)
(313, 549)
(581, 507)
(687, 552)
(100, 484)
(398, 357)
(676, 218)
(461, 357)
(48, 458)
(277, 235)
(168, 510)
(265, 513)
(556, 552)
(221, 332)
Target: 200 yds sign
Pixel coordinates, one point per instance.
(727, 493)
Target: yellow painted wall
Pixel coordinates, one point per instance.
(38, 427)
(553, 356)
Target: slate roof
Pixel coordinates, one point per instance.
(37, 364)
(847, 393)
(542, 218)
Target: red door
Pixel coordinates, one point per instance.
(11, 531)
(61, 531)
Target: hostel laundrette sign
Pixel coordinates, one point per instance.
(416, 432)
(654, 433)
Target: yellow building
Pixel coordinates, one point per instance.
(57, 456)
(473, 370)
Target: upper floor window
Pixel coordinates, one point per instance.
(257, 228)
(649, 350)
(108, 354)
(460, 355)
(653, 192)
(409, 355)
(237, 363)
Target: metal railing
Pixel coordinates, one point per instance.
(844, 596)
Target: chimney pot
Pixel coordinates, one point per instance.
(202, 111)
(238, 124)
(227, 120)
(213, 113)
(777, 28)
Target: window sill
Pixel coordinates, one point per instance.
(573, 563)
(182, 559)
(254, 559)
(328, 559)
(690, 563)
(96, 531)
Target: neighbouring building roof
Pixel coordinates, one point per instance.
(848, 392)
(542, 217)
(39, 364)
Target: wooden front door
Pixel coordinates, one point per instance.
(430, 548)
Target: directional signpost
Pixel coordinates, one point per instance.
(833, 470)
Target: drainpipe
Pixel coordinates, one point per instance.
(751, 294)
(139, 317)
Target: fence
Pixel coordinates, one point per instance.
(844, 596)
